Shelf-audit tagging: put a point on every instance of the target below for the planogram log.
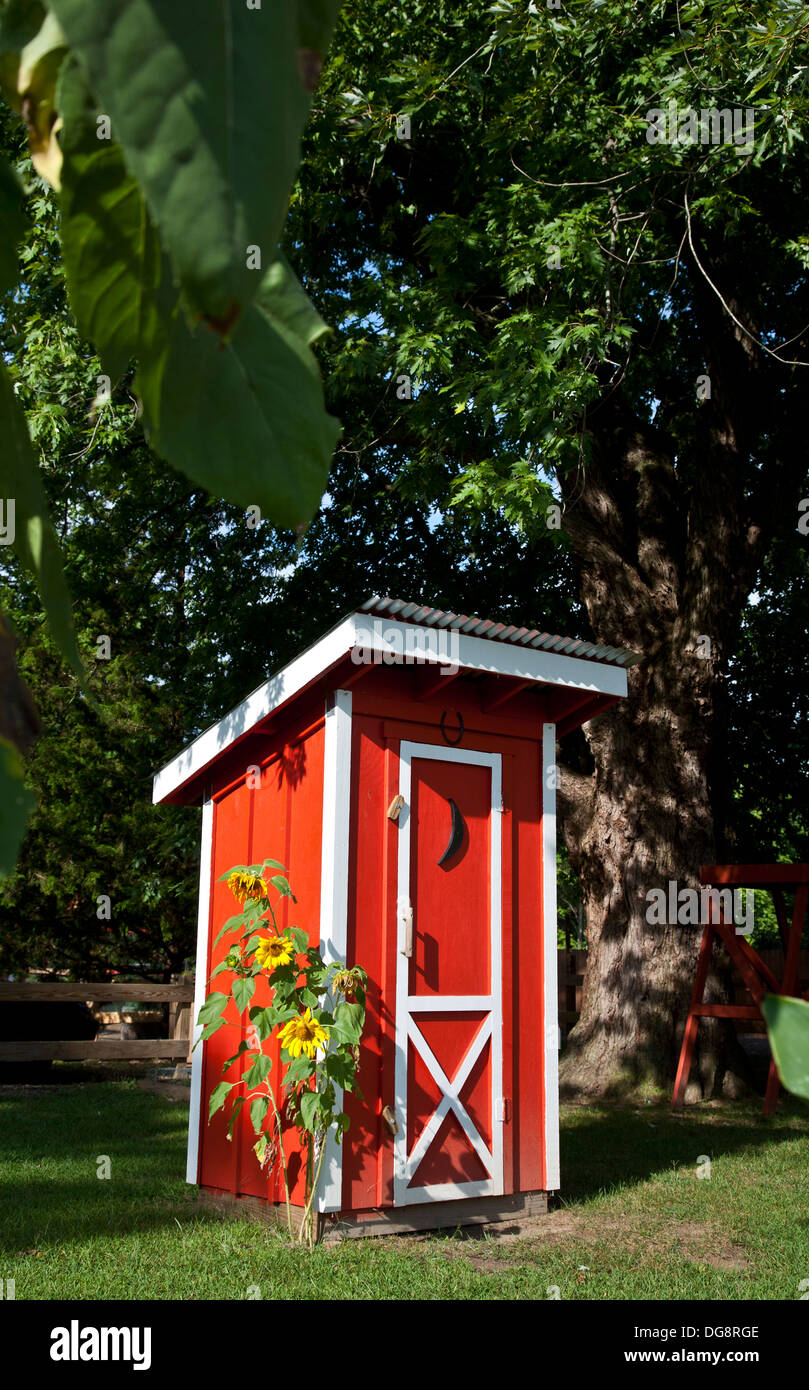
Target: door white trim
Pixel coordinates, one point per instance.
(491, 1028)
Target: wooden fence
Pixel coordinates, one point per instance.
(180, 997)
(571, 966)
(177, 1046)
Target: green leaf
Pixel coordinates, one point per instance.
(13, 220)
(300, 937)
(209, 101)
(219, 1095)
(258, 1112)
(119, 281)
(243, 991)
(209, 1030)
(310, 1110)
(348, 1022)
(243, 1047)
(340, 1068)
(20, 22)
(213, 1007)
(16, 805)
(788, 1026)
(260, 1148)
(281, 882)
(265, 376)
(35, 540)
(299, 1068)
(264, 1021)
(237, 1105)
(258, 1073)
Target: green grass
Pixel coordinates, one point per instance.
(633, 1213)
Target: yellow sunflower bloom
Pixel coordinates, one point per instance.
(244, 885)
(275, 950)
(303, 1035)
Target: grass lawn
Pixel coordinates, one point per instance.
(633, 1221)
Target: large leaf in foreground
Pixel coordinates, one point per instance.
(35, 539)
(209, 101)
(245, 417)
(13, 221)
(788, 1027)
(119, 280)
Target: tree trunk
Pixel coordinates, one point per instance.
(641, 820)
(666, 577)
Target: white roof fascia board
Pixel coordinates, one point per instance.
(290, 681)
(451, 649)
(448, 649)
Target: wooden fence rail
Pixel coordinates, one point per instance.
(177, 1046)
(180, 998)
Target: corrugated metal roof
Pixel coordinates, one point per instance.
(425, 616)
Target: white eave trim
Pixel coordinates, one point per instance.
(384, 641)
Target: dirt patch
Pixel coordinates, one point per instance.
(702, 1245)
(699, 1244)
(170, 1090)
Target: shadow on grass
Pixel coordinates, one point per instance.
(609, 1146)
(51, 1142)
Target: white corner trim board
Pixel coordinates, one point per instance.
(334, 895)
(550, 957)
(391, 640)
(200, 987)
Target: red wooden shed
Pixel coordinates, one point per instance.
(450, 905)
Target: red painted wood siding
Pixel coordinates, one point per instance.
(281, 819)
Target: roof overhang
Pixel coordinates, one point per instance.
(390, 641)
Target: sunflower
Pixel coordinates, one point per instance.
(275, 950)
(303, 1034)
(244, 885)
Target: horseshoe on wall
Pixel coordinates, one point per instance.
(455, 834)
(453, 742)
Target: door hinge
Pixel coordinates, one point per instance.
(390, 1120)
(502, 1110)
(395, 807)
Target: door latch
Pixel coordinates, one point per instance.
(407, 917)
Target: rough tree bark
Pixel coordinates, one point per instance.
(666, 554)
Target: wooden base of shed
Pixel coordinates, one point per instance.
(382, 1221)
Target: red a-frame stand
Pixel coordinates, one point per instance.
(757, 976)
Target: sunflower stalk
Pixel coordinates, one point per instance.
(317, 1012)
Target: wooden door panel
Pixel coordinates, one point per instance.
(449, 1043)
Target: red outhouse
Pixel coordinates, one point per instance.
(447, 897)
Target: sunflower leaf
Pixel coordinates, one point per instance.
(243, 991)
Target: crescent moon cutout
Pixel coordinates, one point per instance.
(455, 834)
